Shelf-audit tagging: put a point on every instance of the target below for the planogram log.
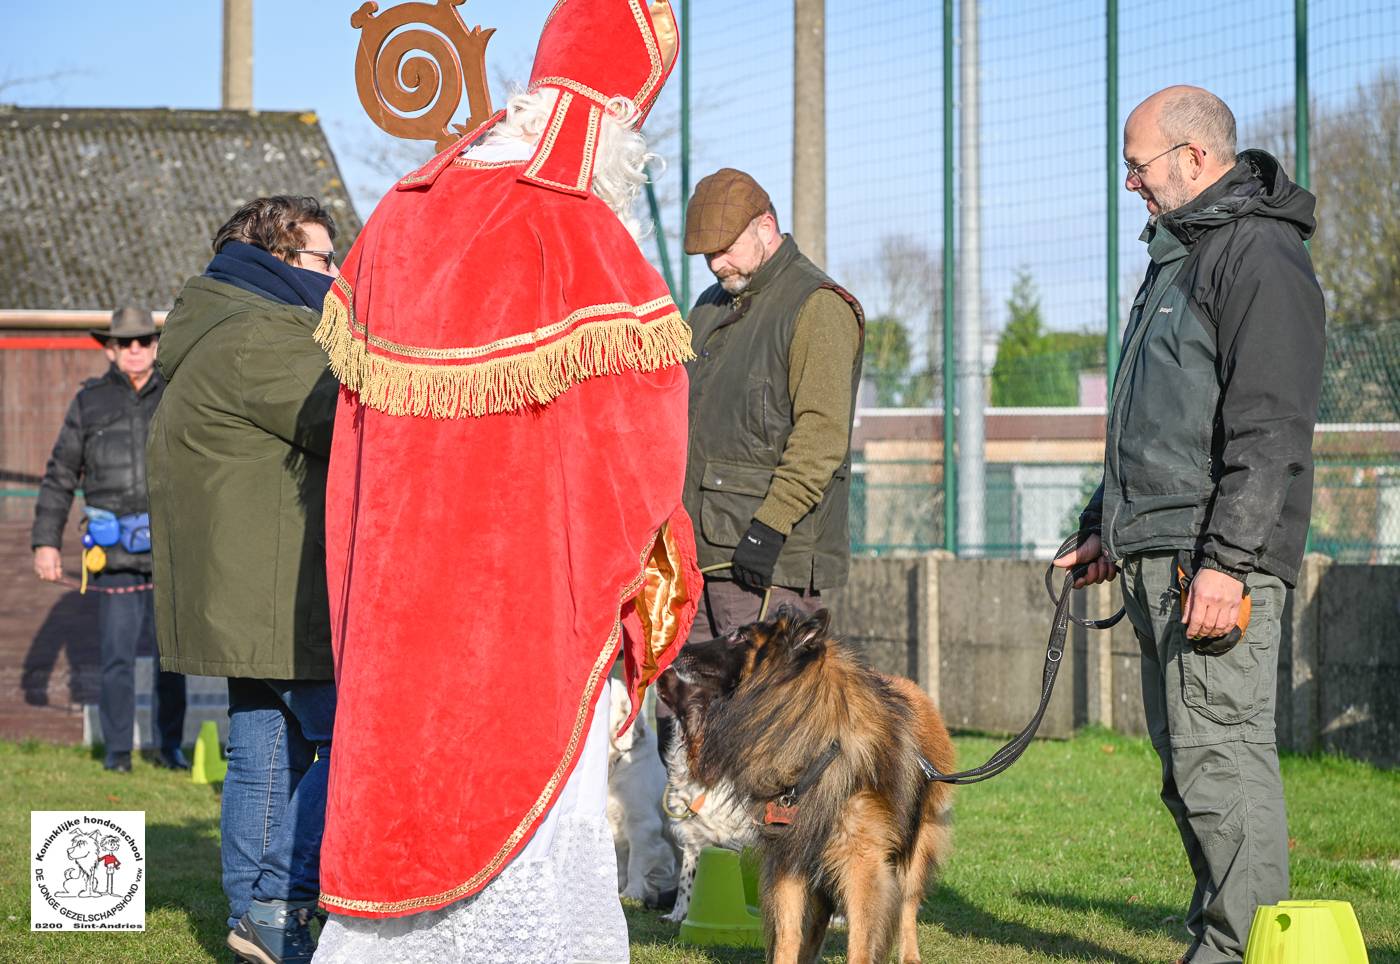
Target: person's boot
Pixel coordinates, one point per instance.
(274, 932)
(173, 759)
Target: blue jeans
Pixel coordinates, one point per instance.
(274, 803)
(124, 622)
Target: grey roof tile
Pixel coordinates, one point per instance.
(103, 207)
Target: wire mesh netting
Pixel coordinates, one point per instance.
(1044, 137)
(1047, 181)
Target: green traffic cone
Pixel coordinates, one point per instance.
(719, 911)
(209, 765)
(1305, 932)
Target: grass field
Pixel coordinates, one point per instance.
(1068, 857)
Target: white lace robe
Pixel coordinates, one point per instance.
(555, 903)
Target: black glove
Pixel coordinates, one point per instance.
(756, 555)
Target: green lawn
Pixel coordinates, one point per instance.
(1067, 857)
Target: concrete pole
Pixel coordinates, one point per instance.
(809, 128)
(971, 379)
(238, 55)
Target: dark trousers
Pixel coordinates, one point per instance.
(125, 621)
(726, 605)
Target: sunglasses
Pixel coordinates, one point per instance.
(145, 341)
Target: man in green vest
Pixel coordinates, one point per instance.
(1208, 472)
(772, 397)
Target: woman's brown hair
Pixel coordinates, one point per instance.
(274, 224)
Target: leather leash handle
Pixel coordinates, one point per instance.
(1078, 572)
(767, 593)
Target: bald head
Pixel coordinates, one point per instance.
(1191, 115)
(1177, 143)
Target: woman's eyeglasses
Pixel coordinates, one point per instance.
(327, 257)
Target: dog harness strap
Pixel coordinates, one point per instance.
(815, 771)
(781, 811)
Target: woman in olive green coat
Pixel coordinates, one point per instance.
(237, 463)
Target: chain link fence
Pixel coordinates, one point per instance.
(1030, 505)
(1044, 137)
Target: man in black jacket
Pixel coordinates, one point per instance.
(1209, 461)
(102, 447)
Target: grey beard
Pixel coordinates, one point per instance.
(735, 283)
(1175, 194)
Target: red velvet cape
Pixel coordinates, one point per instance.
(503, 517)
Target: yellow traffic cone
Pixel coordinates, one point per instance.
(209, 765)
(1305, 932)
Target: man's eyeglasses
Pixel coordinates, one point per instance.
(145, 341)
(1135, 170)
(327, 257)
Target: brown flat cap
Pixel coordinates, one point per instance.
(127, 323)
(720, 209)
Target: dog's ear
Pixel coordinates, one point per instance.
(812, 631)
(787, 614)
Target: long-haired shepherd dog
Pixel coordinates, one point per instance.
(834, 761)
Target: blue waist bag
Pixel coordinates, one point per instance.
(132, 532)
(136, 532)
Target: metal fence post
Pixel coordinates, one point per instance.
(1300, 92)
(685, 152)
(663, 253)
(1301, 116)
(950, 471)
(1111, 65)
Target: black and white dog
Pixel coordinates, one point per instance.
(699, 817)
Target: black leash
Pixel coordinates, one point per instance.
(1002, 759)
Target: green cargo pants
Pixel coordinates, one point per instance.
(1211, 720)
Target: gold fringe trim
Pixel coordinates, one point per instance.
(500, 385)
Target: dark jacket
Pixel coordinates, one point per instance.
(743, 448)
(238, 457)
(102, 448)
(1210, 426)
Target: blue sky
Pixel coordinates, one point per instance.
(1043, 136)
